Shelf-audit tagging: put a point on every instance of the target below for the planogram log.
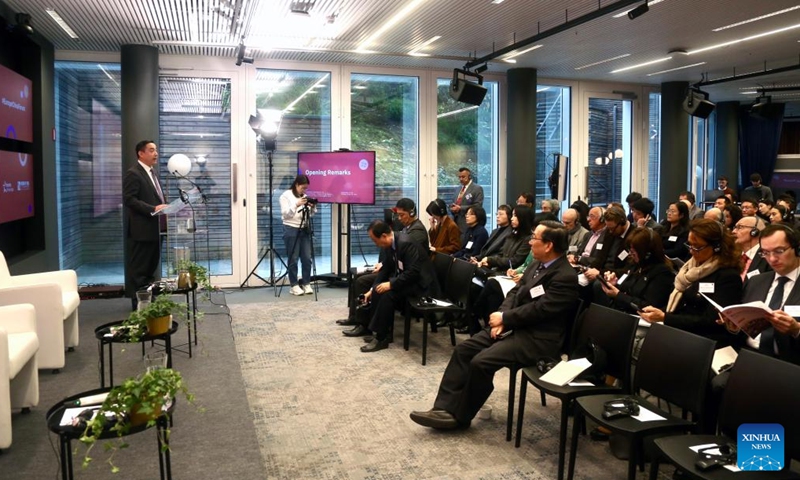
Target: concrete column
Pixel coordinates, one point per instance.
(521, 137)
(674, 142)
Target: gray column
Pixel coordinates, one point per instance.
(521, 137)
(727, 142)
(674, 142)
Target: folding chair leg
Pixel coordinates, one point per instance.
(523, 392)
(424, 339)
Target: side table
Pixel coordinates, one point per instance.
(104, 337)
(191, 315)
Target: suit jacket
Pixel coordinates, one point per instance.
(674, 242)
(514, 251)
(140, 198)
(694, 313)
(476, 238)
(597, 257)
(472, 196)
(408, 269)
(649, 287)
(541, 317)
(757, 288)
(417, 232)
(577, 237)
(613, 261)
(758, 264)
(496, 240)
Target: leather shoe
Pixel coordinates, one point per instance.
(369, 338)
(435, 418)
(375, 345)
(357, 331)
(347, 322)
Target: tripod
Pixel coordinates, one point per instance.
(270, 251)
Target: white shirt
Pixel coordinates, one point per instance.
(149, 171)
(787, 289)
(291, 215)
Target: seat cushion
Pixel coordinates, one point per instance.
(71, 301)
(21, 348)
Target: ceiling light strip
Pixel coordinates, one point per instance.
(651, 62)
(603, 61)
(390, 23)
(509, 57)
(676, 68)
(416, 51)
(745, 39)
(62, 23)
(755, 19)
(649, 4)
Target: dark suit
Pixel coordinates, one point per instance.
(597, 257)
(495, 243)
(473, 195)
(410, 273)
(758, 264)
(650, 287)
(476, 238)
(539, 326)
(757, 288)
(613, 261)
(141, 229)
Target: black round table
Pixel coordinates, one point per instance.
(67, 433)
(105, 337)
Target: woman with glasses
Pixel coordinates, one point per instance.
(675, 231)
(475, 236)
(713, 270)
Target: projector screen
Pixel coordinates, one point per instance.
(339, 177)
(16, 112)
(16, 180)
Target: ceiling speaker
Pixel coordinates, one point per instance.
(467, 92)
(697, 104)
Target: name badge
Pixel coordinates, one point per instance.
(598, 246)
(537, 291)
(573, 248)
(673, 238)
(400, 265)
(792, 310)
(752, 274)
(706, 287)
(469, 244)
(623, 255)
(622, 279)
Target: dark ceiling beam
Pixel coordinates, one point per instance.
(553, 31)
(736, 78)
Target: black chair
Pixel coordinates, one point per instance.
(611, 330)
(441, 265)
(761, 389)
(456, 293)
(674, 366)
(514, 368)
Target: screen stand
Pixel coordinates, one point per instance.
(337, 278)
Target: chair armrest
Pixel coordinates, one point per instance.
(5, 368)
(66, 279)
(46, 298)
(20, 318)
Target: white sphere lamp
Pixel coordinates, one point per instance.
(179, 165)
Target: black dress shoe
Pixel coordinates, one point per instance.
(369, 338)
(363, 306)
(375, 345)
(347, 322)
(357, 331)
(435, 418)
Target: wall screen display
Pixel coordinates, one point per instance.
(16, 112)
(339, 177)
(16, 181)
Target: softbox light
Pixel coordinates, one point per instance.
(465, 91)
(697, 104)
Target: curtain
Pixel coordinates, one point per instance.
(759, 138)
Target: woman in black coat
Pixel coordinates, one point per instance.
(475, 236)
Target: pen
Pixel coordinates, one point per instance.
(509, 265)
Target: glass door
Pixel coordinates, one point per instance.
(610, 134)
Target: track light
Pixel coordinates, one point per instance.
(639, 11)
(240, 57)
(482, 68)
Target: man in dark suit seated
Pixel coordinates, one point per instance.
(407, 272)
(747, 232)
(530, 324)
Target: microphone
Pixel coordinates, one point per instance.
(97, 399)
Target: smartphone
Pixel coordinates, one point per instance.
(505, 334)
(602, 279)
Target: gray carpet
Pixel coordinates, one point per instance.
(323, 409)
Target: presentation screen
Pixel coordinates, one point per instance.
(16, 112)
(339, 177)
(16, 179)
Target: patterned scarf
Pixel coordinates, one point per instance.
(690, 273)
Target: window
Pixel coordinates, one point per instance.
(610, 133)
(552, 136)
(654, 151)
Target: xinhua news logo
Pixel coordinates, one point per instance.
(759, 447)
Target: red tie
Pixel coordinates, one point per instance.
(461, 195)
(746, 265)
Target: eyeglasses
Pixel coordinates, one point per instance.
(774, 253)
(744, 227)
(534, 237)
(672, 211)
(695, 249)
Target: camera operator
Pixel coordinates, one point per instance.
(296, 208)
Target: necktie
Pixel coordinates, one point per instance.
(767, 344)
(745, 265)
(157, 185)
(461, 195)
(539, 269)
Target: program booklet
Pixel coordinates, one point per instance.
(749, 317)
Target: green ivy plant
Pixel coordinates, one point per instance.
(198, 272)
(146, 394)
(161, 306)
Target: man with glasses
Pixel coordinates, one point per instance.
(530, 324)
(749, 207)
(747, 232)
(592, 252)
(577, 234)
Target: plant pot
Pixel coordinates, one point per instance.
(158, 325)
(138, 418)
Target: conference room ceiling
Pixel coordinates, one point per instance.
(335, 31)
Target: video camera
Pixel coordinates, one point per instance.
(312, 201)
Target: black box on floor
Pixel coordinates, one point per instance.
(105, 291)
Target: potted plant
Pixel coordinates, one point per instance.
(154, 319)
(197, 273)
(135, 402)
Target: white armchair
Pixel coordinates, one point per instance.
(55, 296)
(19, 376)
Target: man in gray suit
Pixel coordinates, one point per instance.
(530, 324)
(468, 195)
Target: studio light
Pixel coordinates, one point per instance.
(639, 11)
(240, 55)
(266, 124)
(24, 23)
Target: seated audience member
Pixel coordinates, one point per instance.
(732, 214)
(536, 313)
(757, 190)
(747, 232)
(715, 214)
(515, 248)
(764, 206)
(407, 273)
(577, 234)
(642, 211)
(749, 207)
(647, 282)
(406, 213)
(550, 205)
(630, 199)
(444, 235)
(583, 212)
(616, 204)
(722, 185)
(675, 232)
(498, 236)
(714, 271)
(778, 214)
(475, 237)
(694, 211)
(491, 296)
(617, 229)
(593, 251)
(721, 202)
(526, 199)
(790, 204)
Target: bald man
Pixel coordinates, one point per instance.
(577, 234)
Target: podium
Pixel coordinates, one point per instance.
(187, 218)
